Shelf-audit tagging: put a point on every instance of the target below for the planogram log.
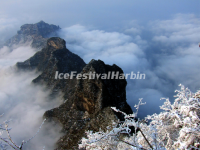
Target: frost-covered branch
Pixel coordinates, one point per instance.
(112, 137)
(176, 127)
(6, 142)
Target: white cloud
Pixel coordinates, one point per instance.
(133, 31)
(24, 102)
(98, 44)
(168, 56)
(9, 56)
(178, 58)
(8, 27)
(182, 28)
(132, 52)
(165, 67)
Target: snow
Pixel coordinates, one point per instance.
(176, 127)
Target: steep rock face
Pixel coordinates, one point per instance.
(54, 57)
(88, 107)
(87, 102)
(37, 34)
(102, 92)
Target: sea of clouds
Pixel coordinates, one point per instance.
(165, 50)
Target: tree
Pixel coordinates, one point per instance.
(176, 127)
(6, 142)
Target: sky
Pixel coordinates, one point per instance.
(158, 38)
(112, 15)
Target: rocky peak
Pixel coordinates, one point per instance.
(56, 43)
(93, 95)
(88, 105)
(36, 34)
(40, 29)
(53, 57)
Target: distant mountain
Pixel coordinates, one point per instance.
(37, 34)
(86, 102)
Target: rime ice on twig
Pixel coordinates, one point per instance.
(5, 142)
(176, 127)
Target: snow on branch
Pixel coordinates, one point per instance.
(8, 142)
(176, 127)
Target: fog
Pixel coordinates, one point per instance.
(169, 55)
(158, 38)
(25, 103)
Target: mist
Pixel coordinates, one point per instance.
(25, 103)
(165, 50)
(168, 55)
(157, 38)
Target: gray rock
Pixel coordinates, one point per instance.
(54, 57)
(36, 34)
(88, 106)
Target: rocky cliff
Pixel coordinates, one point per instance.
(88, 108)
(87, 101)
(54, 57)
(36, 34)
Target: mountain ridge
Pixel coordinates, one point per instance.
(86, 102)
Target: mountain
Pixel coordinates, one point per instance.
(86, 102)
(54, 57)
(36, 34)
(88, 107)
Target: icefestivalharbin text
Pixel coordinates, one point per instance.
(94, 75)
